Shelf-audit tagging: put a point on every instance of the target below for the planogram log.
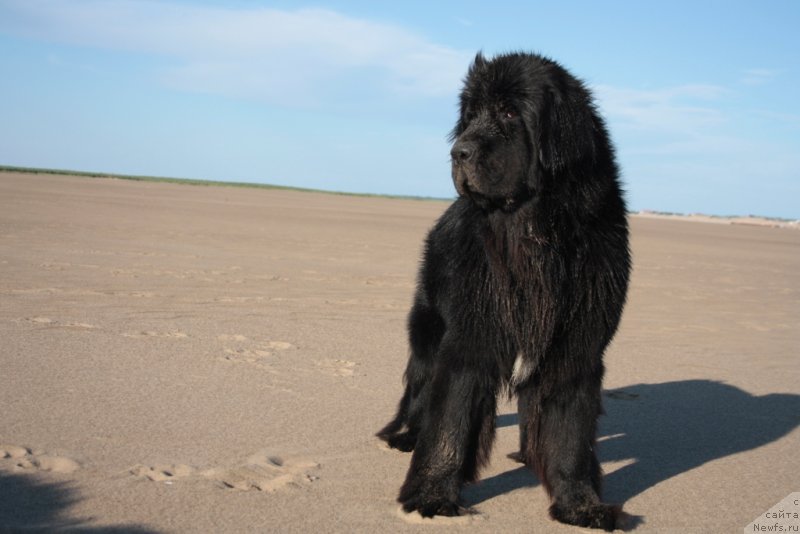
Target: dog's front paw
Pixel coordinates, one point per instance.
(430, 508)
(604, 516)
(431, 498)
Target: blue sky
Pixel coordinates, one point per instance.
(700, 96)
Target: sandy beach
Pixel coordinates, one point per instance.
(179, 358)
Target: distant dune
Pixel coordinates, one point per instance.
(699, 217)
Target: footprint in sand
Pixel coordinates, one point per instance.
(174, 334)
(279, 345)
(40, 320)
(231, 337)
(16, 457)
(79, 326)
(256, 357)
(133, 294)
(337, 367)
(259, 472)
(264, 472)
(240, 300)
(163, 473)
(55, 266)
(51, 323)
(257, 353)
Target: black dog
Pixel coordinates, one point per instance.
(522, 287)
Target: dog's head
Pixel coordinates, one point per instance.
(523, 122)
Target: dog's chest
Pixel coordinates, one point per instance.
(524, 291)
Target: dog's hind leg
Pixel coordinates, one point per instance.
(425, 328)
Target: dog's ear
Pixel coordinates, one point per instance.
(466, 93)
(567, 124)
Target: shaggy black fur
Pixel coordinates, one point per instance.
(521, 288)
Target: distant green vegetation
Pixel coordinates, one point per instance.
(190, 181)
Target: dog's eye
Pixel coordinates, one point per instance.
(509, 114)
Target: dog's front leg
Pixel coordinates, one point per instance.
(455, 439)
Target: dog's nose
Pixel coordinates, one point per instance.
(462, 151)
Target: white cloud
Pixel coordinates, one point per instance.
(758, 76)
(684, 110)
(678, 144)
(286, 57)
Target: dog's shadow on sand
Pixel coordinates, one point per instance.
(666, 429)
(29, 504)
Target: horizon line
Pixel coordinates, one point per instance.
(259, 185)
